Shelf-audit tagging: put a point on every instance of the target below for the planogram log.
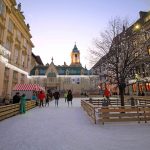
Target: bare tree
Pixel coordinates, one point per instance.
(103, 43)
(124, 49)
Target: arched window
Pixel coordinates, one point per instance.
(67, 72)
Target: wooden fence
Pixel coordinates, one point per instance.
(127, 113)
(90, 109)
(14, 109)
(115, 113)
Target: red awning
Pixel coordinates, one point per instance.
(28, 87)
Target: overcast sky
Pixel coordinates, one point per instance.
(57, 24)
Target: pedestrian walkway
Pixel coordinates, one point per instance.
(69, 128)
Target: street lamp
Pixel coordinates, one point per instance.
(138, 27)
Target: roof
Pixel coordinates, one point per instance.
(42, 70)
(69, 70)
(37, 59)
(28, 87)
(62, 70)
(75, 49)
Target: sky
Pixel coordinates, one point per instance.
(56, 25)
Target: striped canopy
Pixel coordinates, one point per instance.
(28, 87)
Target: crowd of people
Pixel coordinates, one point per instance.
(42, 99)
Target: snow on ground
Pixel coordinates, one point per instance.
(69, 128)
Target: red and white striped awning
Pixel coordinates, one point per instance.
(28, 87)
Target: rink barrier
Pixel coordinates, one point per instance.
(14, 109)
(124, 114)
(90, 109)
(115, 113)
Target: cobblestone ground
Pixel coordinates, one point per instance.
(69, 128)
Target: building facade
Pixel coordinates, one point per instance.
(138, 79)
(15, 46)
(65, 77)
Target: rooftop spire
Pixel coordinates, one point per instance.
(75, 49)
(52, 59)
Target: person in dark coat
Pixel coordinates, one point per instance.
(69, 97)
(47, 99)
(16, 98)
(50, 95)
(56, 97)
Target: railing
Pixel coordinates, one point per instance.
(14, 109)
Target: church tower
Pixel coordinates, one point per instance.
(75, 57)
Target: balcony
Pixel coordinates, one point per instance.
(4, 54)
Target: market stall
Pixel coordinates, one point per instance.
(27, 89)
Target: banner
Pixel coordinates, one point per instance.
(75, 80)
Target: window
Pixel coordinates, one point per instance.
(16, 55)
(2, 8)
(8, 45)
(147, 18)
(67, 72)
(10, 26)
(22, 78)
(149, 51)
(23, 60)
(18, 35)
(7, 72)
(25, 43)
(15, 75)
(42, 72)
(67, 80)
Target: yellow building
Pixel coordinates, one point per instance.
(15, 46)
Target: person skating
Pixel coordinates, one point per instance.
(107, 95)
(69, 97)
(23, 104)
(56, 97)
(65, 96)
(47, 100)
(41, 97)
